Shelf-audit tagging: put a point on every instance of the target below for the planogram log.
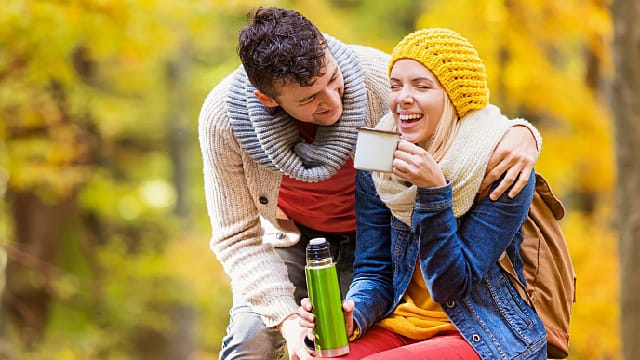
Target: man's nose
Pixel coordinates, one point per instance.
(331, 95)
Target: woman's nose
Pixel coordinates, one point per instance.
(405, 96)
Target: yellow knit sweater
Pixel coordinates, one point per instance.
(418, 317)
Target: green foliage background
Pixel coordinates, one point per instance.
(99, 103)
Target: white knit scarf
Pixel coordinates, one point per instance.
(271, 138)
(464, 163)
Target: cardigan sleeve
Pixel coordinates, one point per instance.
(374, 67)
(257, 273)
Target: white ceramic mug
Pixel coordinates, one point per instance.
(374, 149)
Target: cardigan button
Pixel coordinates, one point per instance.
(280, 236)
(263, 200)
(451, 304)
(475, 337)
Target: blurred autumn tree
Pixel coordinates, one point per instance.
(104, 236)
(97, 122)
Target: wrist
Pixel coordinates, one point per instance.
(532, 129)
(287, 323)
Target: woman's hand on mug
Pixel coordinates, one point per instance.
(416, 165)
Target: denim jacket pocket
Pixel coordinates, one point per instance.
(513, 309)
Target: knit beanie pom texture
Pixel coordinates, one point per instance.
(453, 60)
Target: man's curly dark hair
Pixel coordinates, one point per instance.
(281, 45)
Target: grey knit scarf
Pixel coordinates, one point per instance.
(271, 138)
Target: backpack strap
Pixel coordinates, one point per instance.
(542, 193)
(548, 270)
(544, 190)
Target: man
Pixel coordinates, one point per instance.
(277, 137)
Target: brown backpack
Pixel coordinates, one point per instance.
(551, 280)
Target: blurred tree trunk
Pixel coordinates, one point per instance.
(182, 335)
(178, 342)
(626, 105)
(38, 229)
(585, 198)
(179, 134)
(41, 222)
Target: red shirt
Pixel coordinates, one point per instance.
(327, 205)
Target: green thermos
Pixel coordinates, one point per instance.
(324, 292)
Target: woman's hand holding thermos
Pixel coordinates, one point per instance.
(307, 321)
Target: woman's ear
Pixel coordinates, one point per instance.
(265, 99)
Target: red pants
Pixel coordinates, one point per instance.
(379, 343)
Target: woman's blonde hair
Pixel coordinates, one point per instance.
(445, 131)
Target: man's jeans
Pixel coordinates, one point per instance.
(247, 337)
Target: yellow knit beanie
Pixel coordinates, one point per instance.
(453, 60)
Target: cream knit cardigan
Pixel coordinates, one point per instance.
(242, 198)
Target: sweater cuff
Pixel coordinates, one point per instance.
(534, 131)
(277, 310)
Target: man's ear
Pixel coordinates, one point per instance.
(265, 99)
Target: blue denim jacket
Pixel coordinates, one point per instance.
(459, 262)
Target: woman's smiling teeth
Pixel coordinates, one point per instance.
(409, 117)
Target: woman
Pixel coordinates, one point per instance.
(427, 284)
